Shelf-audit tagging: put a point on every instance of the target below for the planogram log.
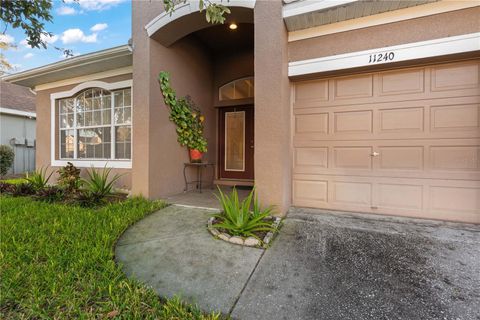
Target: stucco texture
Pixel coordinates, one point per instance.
(437, 26)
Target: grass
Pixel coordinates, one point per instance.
(57, 262)
(15, 181)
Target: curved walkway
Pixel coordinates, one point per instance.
(321, 266)
(172, 251)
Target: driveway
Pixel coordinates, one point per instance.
(321, 266)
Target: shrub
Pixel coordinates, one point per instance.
(6, 188)
(99, 185)
(238, 219)
(6, 159)
(50, 194)
(23, 189)
(39, 178)
(69, 177)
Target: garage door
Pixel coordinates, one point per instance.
(402, 142)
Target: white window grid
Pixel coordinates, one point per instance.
(113, 123)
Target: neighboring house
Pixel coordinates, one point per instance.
(17, 125)
(367, 106)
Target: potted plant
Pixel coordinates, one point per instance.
(187, 117)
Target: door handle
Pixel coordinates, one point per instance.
(375, 154)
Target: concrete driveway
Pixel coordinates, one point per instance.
(321, 266)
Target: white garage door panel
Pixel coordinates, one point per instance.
(403, 142)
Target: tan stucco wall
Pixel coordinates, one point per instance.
(43, 147)
(272, 107)
(421, 29)
(157, 156)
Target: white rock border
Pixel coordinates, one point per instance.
(249, 241)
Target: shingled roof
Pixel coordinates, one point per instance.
(16, 97)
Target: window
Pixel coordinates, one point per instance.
(238, 89)
(96, 124)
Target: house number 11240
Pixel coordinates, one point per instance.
(381, 57)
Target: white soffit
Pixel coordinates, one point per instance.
(78, 66)
(387, 55)
(305, 14)
(188, 7)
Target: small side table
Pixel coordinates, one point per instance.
(199, 166)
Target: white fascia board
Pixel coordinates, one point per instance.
(69, 63)
(18, 112)
(307, 6)
(186, 8)
(404, 52)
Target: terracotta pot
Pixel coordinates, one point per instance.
(195, 155)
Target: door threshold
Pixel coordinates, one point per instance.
(234, 182)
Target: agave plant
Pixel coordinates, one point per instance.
(238, 218)
(39, 178)
(99, 184)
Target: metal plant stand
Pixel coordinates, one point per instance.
(199, 167)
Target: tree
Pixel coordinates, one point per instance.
(214, 12)
(30, 16)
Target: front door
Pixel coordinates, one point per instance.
(236, 139)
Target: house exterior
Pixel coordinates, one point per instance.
(366, 106)
(17, 125)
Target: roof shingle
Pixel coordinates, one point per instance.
(16, 97)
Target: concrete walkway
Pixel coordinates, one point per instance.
(321, 266)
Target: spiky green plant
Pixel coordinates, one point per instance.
(99, 185)
(238, 219)
(39, 178)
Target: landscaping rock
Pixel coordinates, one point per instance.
(236, 240)
(251, 242)
(214, 231)
(224, 236)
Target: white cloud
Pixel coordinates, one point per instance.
(66, 11)
(77, 35)
(6, 38)
(48, 39)
(97, 5)
(28, 55)
(99, 27)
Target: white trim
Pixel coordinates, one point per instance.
(65, 94)
(93, 163)
(18, 112)
(90, 84)
(307, 6)
(404, 52)
(382, 18)
(89, 77)
(186, 8)
(69, 63)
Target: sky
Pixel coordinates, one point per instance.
(83, 26)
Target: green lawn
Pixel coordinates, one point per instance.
(57, 262)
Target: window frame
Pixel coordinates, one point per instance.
(56, 130)
(234, 82)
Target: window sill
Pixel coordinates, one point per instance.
(118, 164)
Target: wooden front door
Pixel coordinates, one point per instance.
(236, 143)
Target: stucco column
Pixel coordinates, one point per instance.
(272, 106)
